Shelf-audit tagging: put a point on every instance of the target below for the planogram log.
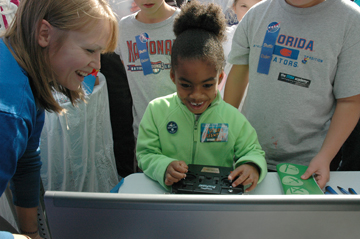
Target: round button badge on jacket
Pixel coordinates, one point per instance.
(172, 127)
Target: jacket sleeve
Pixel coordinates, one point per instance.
(20, 165)
(13, 140)
(248, 149)
(148, 149)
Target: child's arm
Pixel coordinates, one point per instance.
(175, 172)
(248, 174)
(235, 85)
(148, 149)
(249, 154)
(346, 116)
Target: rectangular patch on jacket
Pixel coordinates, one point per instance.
(216, 132)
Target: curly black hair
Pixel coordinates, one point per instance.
(200, 31)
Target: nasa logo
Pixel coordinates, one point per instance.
(144, 37)
(273, 27)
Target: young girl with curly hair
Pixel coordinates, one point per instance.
(194, 125)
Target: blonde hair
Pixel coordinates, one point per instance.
(66, 15)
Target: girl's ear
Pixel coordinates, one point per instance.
(172, 75)
(45, 31)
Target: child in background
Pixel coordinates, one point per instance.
(173, 131)
(301, 65)
(145, 44)
(239, 8)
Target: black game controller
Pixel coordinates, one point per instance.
(203, 179)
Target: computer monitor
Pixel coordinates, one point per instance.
(110, 215)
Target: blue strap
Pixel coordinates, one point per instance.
(117, 187)
(268, 47)
(141, 41)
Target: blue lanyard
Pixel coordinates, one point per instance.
(141, 41)
(267, 48)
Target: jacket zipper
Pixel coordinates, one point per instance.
(195, 138)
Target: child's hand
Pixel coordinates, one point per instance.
(248, 174)
(175, 172)
(320, 167)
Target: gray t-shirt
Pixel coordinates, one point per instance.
(145, 88)
(315, 62)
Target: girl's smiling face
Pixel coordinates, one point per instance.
(79, 53)
(196, 83)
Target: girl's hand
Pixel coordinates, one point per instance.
(175, 172)
(248, 174)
